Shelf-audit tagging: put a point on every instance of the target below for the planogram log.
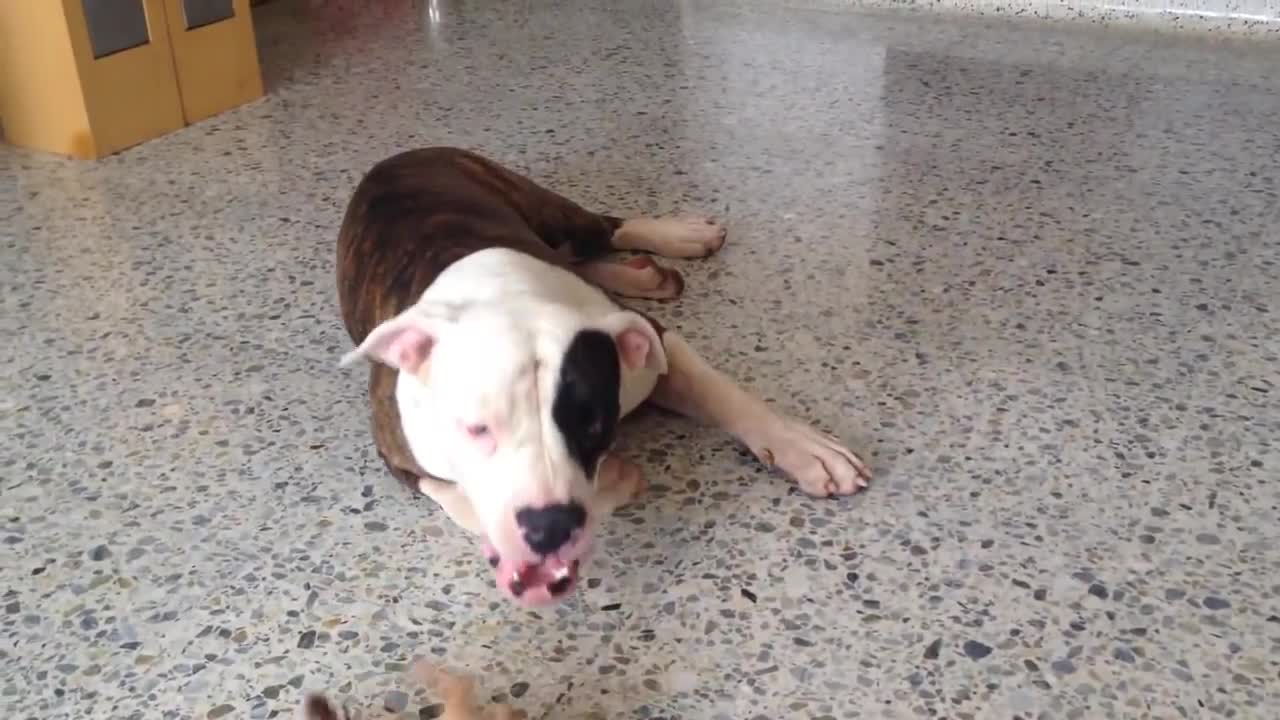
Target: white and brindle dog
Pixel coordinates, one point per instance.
(502, 363)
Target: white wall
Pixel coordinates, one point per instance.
(1237, 16)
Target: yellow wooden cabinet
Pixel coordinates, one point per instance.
(216, 63)
(88, 78)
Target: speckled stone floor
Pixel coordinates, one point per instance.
(1032, 271)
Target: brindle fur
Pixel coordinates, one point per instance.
(416, 213)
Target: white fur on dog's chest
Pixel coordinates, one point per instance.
(528, 286)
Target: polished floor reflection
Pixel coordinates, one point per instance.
(1032, 272)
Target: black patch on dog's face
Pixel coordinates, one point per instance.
(586, 405)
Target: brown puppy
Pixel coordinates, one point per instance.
(457, 694)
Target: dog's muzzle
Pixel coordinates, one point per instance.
(539, 582)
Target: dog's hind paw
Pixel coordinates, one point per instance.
(637, 277)
(673, 237)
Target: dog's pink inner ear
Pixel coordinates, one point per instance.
(402, 344)
(639, 345)
(633, 348)
(406, 341)
(408, 349)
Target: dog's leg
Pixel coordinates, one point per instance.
(578, 234)
(618, 482)
(638, 277)
(449, 497)
(394, 452)
(820, 464)
(673, 237)
(445, 494)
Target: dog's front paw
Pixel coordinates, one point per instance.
(618, 482)
(819, 463)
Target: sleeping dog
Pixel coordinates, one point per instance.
(502, 360)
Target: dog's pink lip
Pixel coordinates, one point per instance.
(537, 582)
(545, 582)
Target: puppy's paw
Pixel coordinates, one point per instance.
(458, 695)
(318, 707)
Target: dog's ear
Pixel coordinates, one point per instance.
(318, 707)
(405, 341)
(638, 343)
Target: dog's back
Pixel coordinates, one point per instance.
(412, 216)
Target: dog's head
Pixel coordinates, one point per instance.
(527, 404)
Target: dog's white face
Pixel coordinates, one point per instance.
(525, 405)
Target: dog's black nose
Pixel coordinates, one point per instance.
(547, 529)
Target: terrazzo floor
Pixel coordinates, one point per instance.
(1031, 271)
